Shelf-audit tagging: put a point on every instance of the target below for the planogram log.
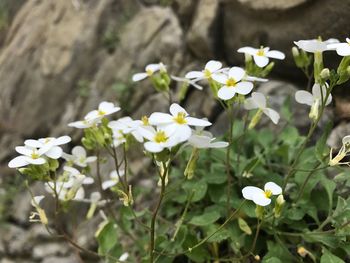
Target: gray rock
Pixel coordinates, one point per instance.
(335, 138)
(70, 259)
(272, 4)
(201, 36)
(42, 251)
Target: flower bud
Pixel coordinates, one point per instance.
(314, 111)
(257, 257)
(325, 74)
(302, 251)
(278, 206)
(295, 52)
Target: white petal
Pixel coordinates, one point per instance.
(157, 118)
(62, 140)
(91, 159)
(153, 67)
(182, 133)
(88, 180)
(250, 191)
(249, 104)
(226, 93)
(33, 143)
(213, 65)
(275, 54)
(219, 144)
(199, 141)
(261, 61)
(197, 122)
(153, 147)
(304, 97)
(24, 150)
(220, 77)
(176, 108)
(139, 76)
(344, 50)
(312, 45)
(248, 50)
(80, 194)
(79, 151)
(108, 184)
(272, 114)
(194, 75)
(54, 153)
(252, 78)
(147, 133)
(244, 87)
(261, 200)
(329, 99)
(37, 199)
(259, 99)
(37, 161)
(18, 161)
(273, 187)
(80, 124)
(237, 73)
(124, 257)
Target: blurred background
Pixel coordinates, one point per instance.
(59, 59)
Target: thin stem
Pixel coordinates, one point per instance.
(155, 213)
(227, 164)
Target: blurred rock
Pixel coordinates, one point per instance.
(335, 138)
(184, 10)
(342, 107)
(70, 259)
(272, 4)
(42, 251)
(202, 35)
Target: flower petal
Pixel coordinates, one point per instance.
(304, 97)
(24, 150)
(275, 54)
(79, 151)
(54, 153)
(18, 161)
(139, 76)
(175, 109)
(237, 73)
(248, 50)
(153, 147)
(37, 161)
(244, 87)
(220, 77)
(62, 140)
(219, 144)
(272, 114)
(273, 187)
(249, 192)
(226, 93)
(213, 65)
(153, 67)
(344, 50)
(194, 75)
(108, 184)
(197, 122)
(249, 104)
(261, 61)
(259, 99)
(157, 118)
(261, 200)
(33, 143)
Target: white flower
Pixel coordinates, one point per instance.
(204, 139)
(150, 70)
(114, 179)
(343, 49)
(233, 83)
(78, 157)
(177, 122)
(210, 68)
(49, 145)
(158, 140)
(305, 97)
(315, 45)
(188, 81)
(258, 101)
(259, 196)
(124, 257)
(261, 56)
(94, 117)
(29, 156)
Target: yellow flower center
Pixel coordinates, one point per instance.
(268, 193)
(160, 137)
(149, 72)
(231, 82)
(261, 52)
(180, 118)
(35, 155)
(101, 113)
(145, 121)
(207, 73)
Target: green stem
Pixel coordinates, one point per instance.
(227, 164)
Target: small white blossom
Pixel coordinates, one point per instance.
(114, 179)
(94, 117)
(158, 140)
(261, 56)
(259, 196)
(124, 257)
(343, 49)
(258, 101)
(177, 123)
(204, 139)
(49, 145)
(305, 97)
(232, 83)
(315, 45)
(78, 157)
(149, 71)
(29, 156)
(210, 68)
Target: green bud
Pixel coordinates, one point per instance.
(278, 206)
(192, 164)
(325, 74)
(255, 120)
(295, 52)
(314, 111)
(259, 211)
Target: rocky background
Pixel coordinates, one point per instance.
(59, 59)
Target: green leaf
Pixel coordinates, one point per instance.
(329, 185)
(272, 260)
(107, 238)
(328, 257)
(321, 148)
(244, 226)
(199, 187)
(205, 219)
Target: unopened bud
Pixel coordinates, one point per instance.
(314, 110)
(295, 52)
(325, 74)
(280, 200)
(278, 206)
(257, 257)
(302, 251)
(192, 163)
